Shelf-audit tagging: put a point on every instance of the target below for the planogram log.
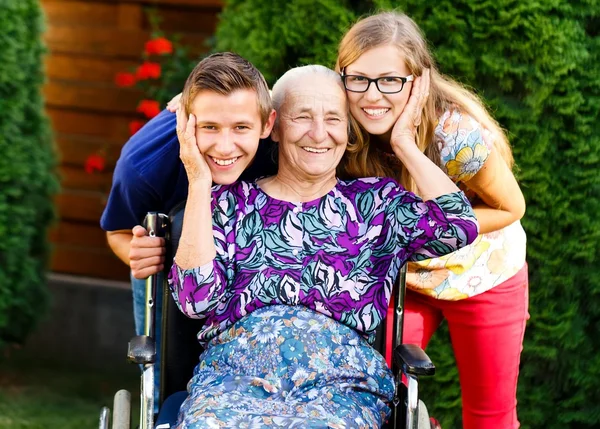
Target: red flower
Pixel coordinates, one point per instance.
(134, 126)
(148, 70)
(125, 79)
(150, 108)
(94, 162)
(159, 46)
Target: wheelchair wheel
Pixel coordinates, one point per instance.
(122, 410)
(423, 417)
(104, 417)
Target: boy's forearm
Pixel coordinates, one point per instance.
(120, 244)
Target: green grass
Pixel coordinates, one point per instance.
(47, 396)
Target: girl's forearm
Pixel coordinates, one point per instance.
(491, 219)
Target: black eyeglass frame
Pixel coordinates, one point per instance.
(404, 79)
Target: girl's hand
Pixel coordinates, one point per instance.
(174, 104)
(195, 165)
(405, 129)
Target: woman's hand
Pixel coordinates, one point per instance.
(196, 244)
(195, 165)
(174, 104)
(431, 181)
(405, 129)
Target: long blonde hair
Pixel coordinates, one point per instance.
(444, 93)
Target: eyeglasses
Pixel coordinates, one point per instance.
(385, 84)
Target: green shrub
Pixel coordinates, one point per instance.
(275, 36)
(27, 180)
(537, 65)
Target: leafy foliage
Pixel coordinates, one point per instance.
(537, 65)
(280, 35)
(27, 180)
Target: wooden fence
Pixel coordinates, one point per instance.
(89, 41)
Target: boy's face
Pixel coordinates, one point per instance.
(228, 129)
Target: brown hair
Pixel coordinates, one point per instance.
(224, 73)
(444, 93)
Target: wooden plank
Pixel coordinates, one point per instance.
(175, 21)
(74, 177)
(130, 16)
(80, 13)
(107, 41)
(80, 206)
(99, 98)
(87, 69)
(79, 234)
(110, 42)
(198, 4)
(110, 125)
(82, 260)
(190, 3)
(74, 150)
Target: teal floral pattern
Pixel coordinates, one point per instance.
(338, 255)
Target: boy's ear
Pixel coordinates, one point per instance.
(269, 125)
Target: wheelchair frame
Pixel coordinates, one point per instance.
(180, 349)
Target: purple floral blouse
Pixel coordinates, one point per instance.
(338, 255)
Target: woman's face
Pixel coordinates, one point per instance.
(312, 129)
(375, 111)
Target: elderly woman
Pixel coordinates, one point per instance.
(293, 273)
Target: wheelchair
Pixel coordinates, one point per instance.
(180, 351)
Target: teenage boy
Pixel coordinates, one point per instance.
(234, 114)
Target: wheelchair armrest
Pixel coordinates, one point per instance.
(141, 350)
(413, 360)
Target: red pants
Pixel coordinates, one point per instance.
(487, 337)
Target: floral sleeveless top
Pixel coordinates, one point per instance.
(338, 255)
(494, 257)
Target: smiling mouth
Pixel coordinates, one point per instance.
(375, 113)
(314, 149)
(225, 162)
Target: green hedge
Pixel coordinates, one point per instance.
(537, 65)
(27, 180)
(275, 36)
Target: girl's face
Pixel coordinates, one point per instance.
(375, 111)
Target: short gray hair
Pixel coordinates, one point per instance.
(282, 86)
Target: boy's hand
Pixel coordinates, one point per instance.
(173, 105)
(146, 254)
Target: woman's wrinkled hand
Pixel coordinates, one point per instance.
(173, 105)
(405, 129)
(189, 152)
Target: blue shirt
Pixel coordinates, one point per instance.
(149, 175)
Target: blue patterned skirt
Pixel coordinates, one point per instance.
(288, 367)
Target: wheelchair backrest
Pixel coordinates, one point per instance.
(180, 349)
